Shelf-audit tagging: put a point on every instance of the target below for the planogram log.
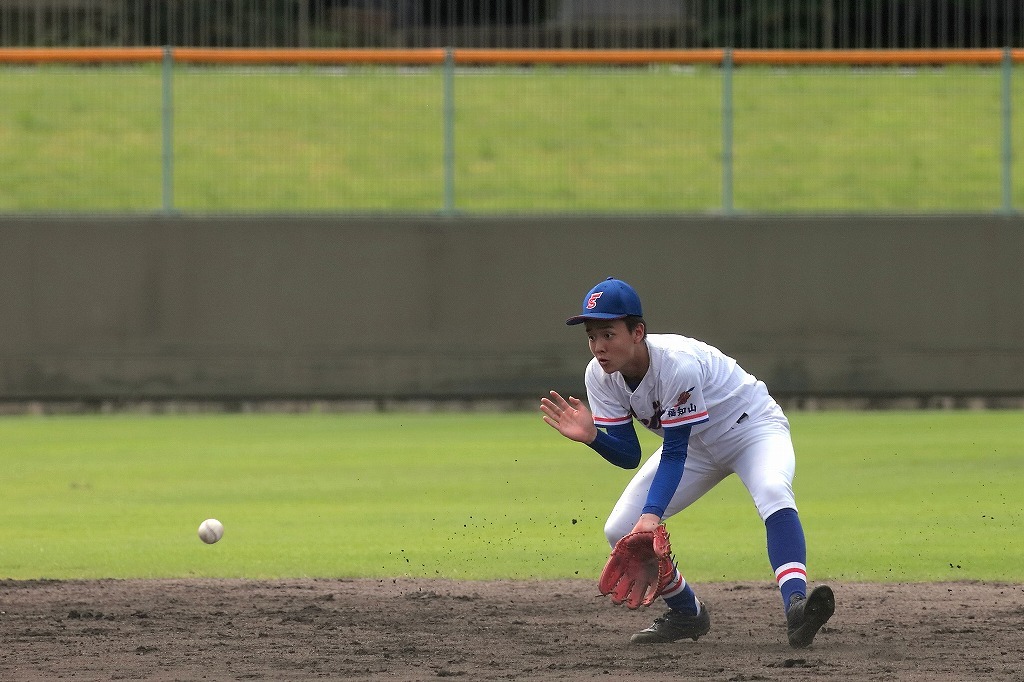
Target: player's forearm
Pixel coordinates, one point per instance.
(620, 450)
(663, 487)
(670, 470)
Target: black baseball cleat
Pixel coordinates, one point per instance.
(806, 616)
(675, 625)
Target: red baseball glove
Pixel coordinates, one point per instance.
(639, 568)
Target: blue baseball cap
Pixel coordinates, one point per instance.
(612, 299)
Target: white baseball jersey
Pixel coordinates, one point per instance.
(688, 383)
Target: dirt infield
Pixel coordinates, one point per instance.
(408, 629)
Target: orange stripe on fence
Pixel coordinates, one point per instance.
(871, 57)
(202, 55)
(581, 57)
(80, 55)
(428, 56)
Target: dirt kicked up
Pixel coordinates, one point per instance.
(412, 629)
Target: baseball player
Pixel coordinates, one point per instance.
(715, 419)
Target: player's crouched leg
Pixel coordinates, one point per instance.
(675, 625)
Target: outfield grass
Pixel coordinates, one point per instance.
(602, 140)
(884, 496)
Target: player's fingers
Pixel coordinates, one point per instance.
(576, 406)
(577, 414)
(553, 412)
(559, 409)
(558, 400)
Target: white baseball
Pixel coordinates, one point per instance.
(210, 531)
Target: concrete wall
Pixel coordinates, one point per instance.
(351, 307)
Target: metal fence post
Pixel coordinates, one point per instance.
(727, 206)
(1007, 131)
(167, 122)
(449, 131)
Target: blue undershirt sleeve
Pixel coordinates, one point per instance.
(670, 470)
(619, 445)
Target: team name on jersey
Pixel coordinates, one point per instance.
(683, 412)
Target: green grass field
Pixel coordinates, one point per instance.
(884, 496)
(601, 140)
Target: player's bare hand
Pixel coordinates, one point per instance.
(571, 417)
(647, 522)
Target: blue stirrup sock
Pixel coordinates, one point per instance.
(787, 552)
(680, 597)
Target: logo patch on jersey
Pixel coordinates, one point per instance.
(592, 301)
(684, 397)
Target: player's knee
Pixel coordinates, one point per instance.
(773, 496)
(615, 529)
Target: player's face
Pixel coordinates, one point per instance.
(616, 348)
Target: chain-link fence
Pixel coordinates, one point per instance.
(87, 134)
(193, 130)
(648, 24)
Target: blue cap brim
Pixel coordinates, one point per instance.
(580, 319)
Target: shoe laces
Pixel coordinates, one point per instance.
(664, 618)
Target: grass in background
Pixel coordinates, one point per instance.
(80, 139)
(884, 496)
(544, 139)
(308, 140)
(590, 140)
(860, 140)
